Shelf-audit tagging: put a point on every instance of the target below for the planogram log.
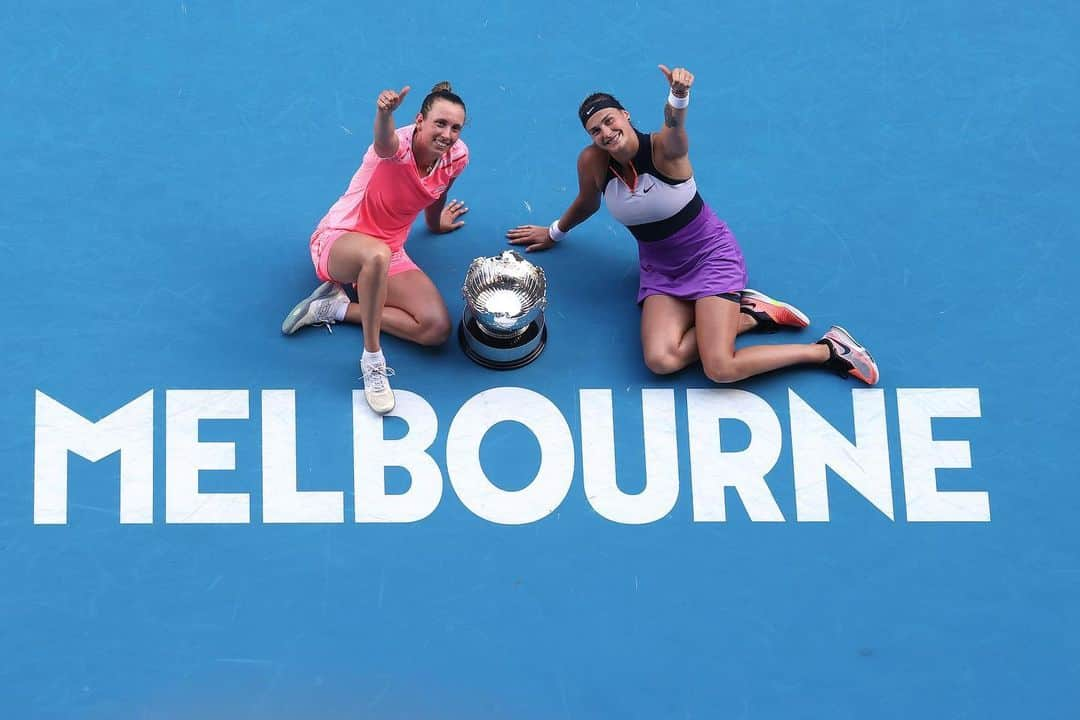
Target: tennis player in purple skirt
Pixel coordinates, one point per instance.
(692, 290)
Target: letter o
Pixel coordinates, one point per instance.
(546, 491)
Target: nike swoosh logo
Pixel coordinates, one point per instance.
(844, 350)
(648, 189)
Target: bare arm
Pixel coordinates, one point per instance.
(386, 141)
(587, 201)
(673, 141)
(591, 164)
(443, 218)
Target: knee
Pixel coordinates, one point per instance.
(379, 258)
(434, 330)
(721, 370)
(663, 360)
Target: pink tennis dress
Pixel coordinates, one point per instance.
(383, 200)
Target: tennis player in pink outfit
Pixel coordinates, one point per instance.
(361, 240)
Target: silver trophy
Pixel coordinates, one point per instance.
(502, 325)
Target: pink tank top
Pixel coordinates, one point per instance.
(386, 194)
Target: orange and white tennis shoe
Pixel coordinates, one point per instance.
(848, 357)
(771, 314)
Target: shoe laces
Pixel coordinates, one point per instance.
(375, 376)
(324, 311)
(324, 314)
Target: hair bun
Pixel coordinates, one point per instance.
(444, 86)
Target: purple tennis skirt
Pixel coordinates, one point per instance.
(700, 260)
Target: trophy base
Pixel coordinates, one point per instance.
(501, 353)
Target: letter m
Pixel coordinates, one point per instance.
(58, 430)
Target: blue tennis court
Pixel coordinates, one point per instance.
(199, 517)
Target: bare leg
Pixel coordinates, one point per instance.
(746, 323)
(414, 310)
(717, 321)
(668, 337)
(364, 260)
(667, 334)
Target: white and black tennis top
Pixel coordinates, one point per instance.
(656, 206)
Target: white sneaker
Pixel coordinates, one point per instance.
(376, 386)
(318, 308)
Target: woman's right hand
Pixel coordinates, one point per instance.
(533, 237)
(389, 100)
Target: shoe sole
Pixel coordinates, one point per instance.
(367, 395)
(754, 294)
(292, 321)
(856, 346)
(376, 410)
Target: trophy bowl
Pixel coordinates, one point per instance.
(502, 325)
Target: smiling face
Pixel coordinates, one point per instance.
(437, 131)
(610, 129)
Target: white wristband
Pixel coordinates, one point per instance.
(678, 102)
(554, 231)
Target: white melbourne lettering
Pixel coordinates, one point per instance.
(815, 445)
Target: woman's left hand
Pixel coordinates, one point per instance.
(680, 80)
(448, 218)
(533, 237)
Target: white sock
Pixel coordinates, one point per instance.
(372, 357)
(339, 311)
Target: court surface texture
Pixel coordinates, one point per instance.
(199, 517)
